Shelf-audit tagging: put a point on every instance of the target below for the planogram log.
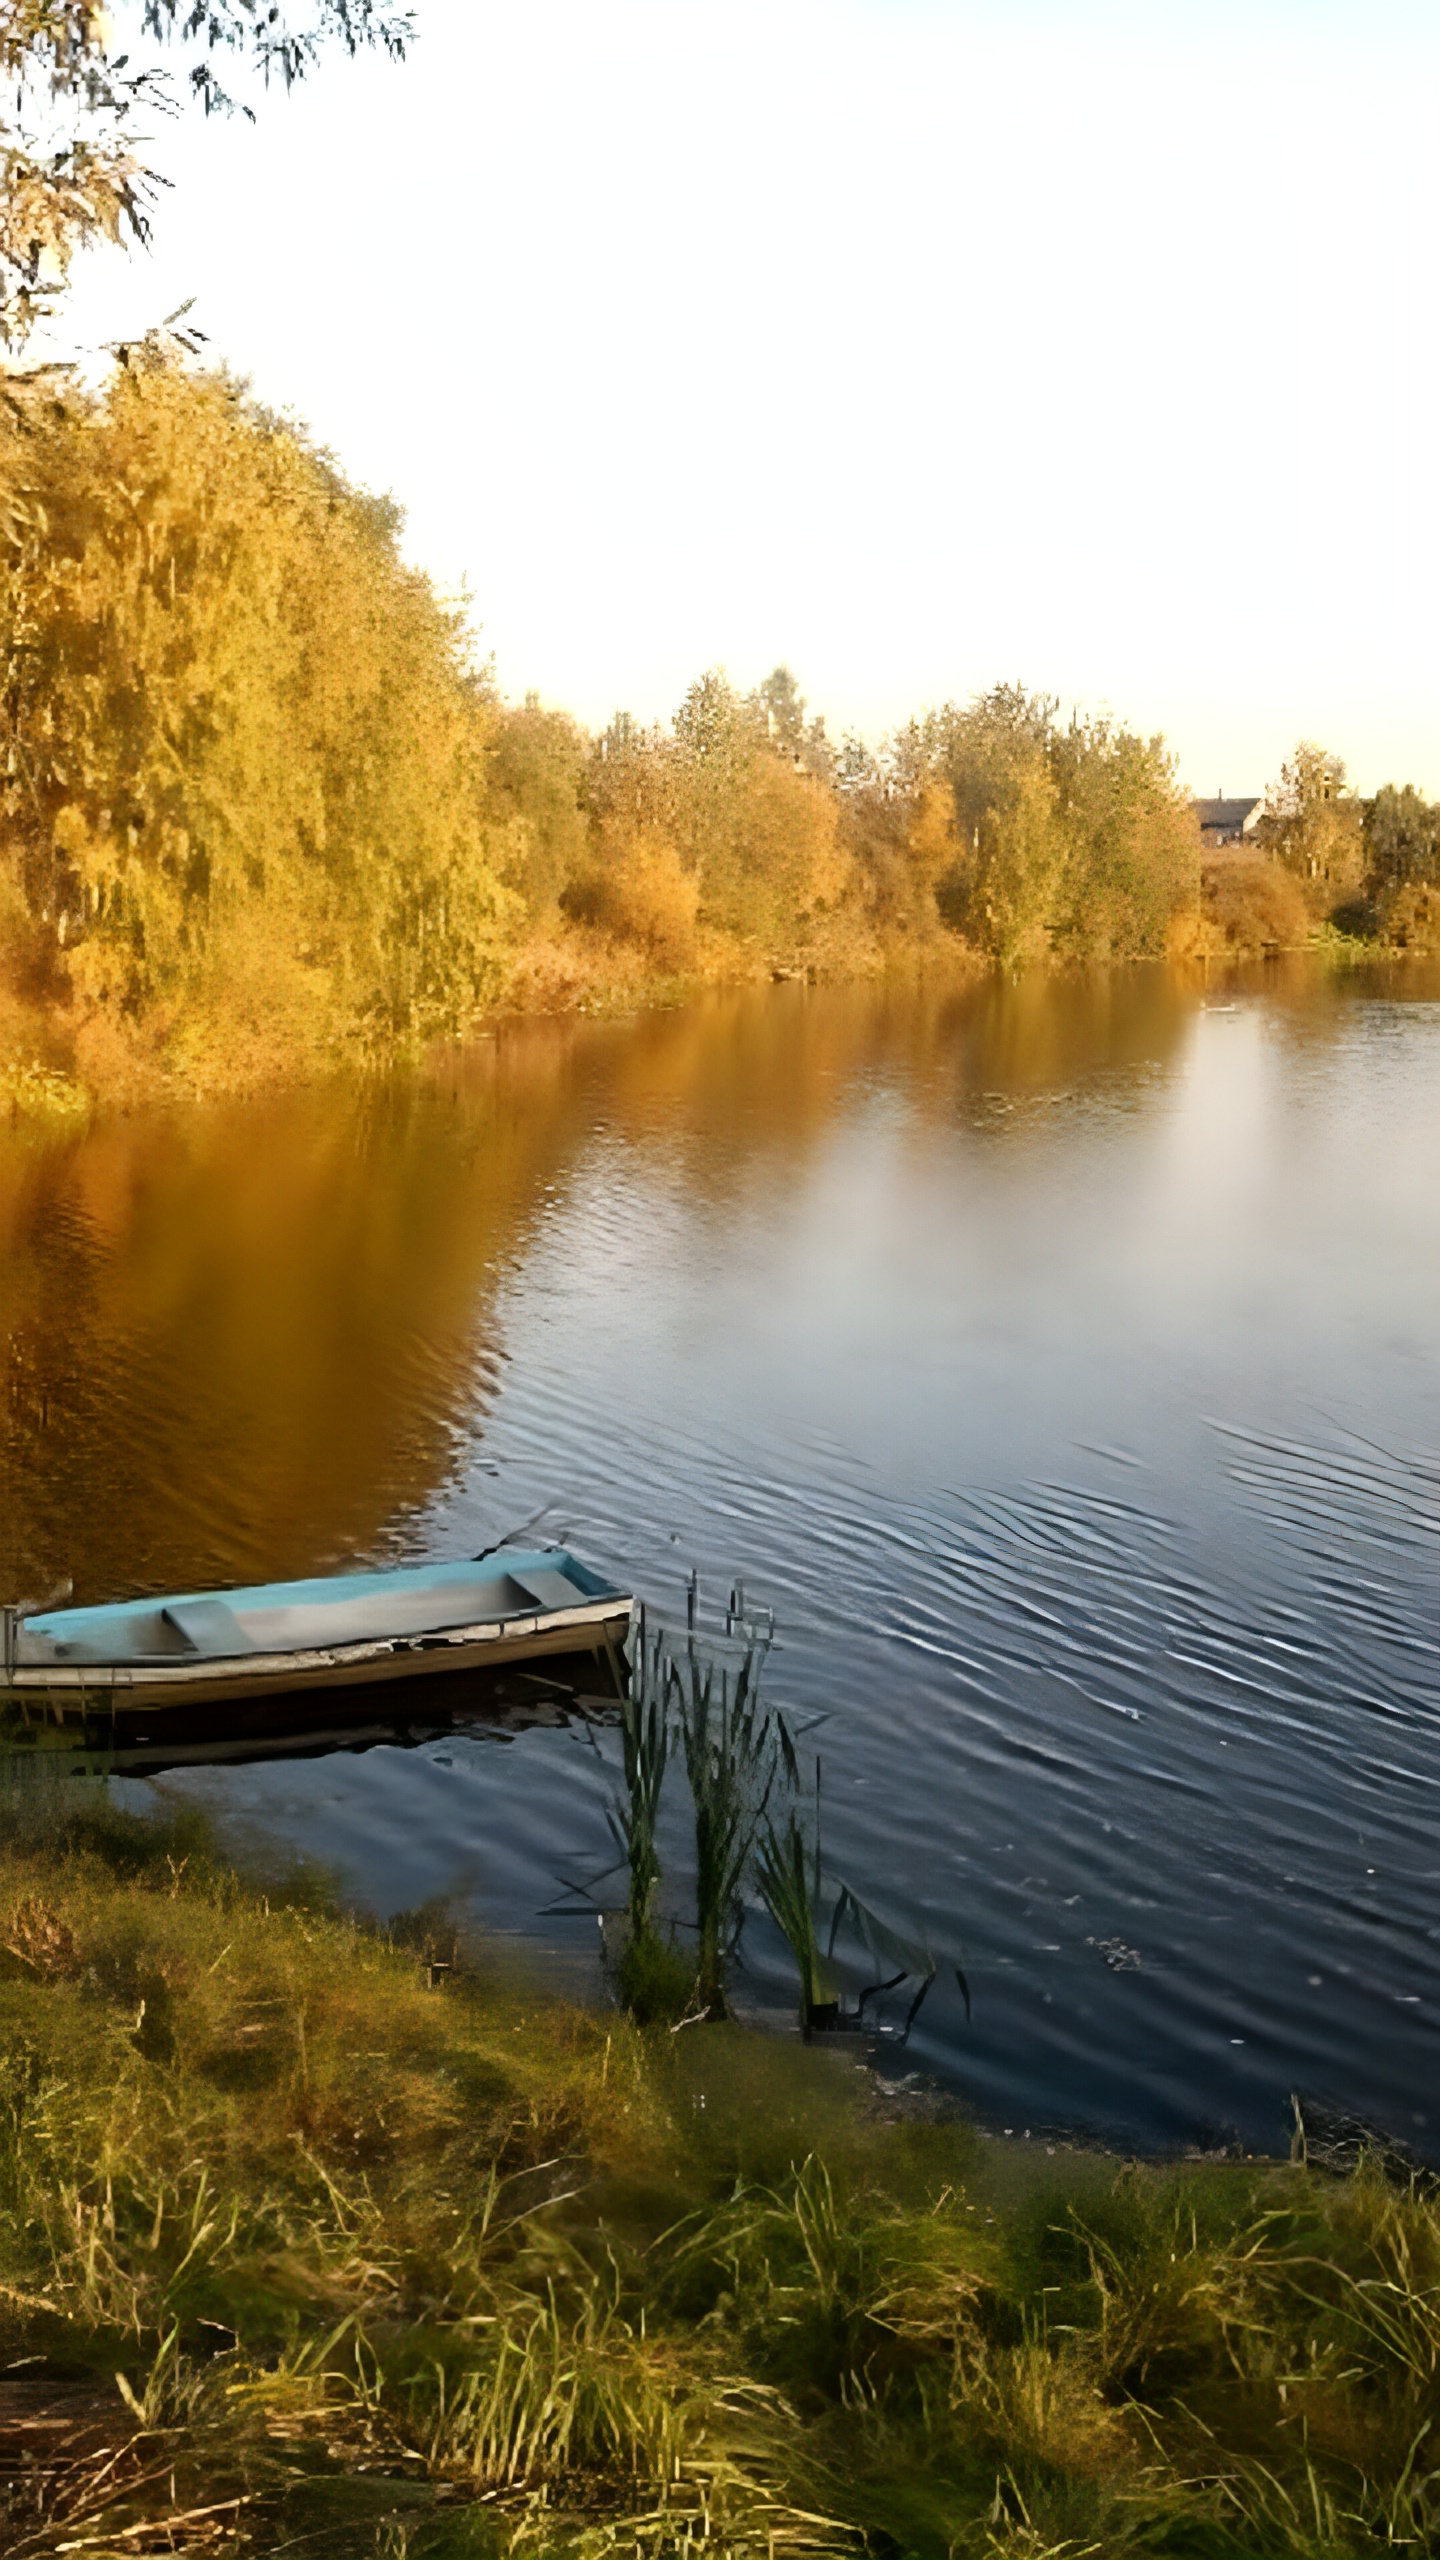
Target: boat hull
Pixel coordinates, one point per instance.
(361, 1632)
(125, 1689)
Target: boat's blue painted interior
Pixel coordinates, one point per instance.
(196, 1622)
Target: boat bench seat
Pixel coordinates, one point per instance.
(208, 1626)
(124, 1636)
(549, 1589)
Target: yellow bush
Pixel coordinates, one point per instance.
(1255, 905)
(638, 890)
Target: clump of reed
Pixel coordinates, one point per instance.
(701, 1699)
(734, 1748)
(698, 1702)
(310, 2244)
(804, 1901)
(788, 1878)
(654, 1979)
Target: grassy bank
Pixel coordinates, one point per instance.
(320, 2241)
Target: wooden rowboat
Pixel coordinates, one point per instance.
(337, 1632)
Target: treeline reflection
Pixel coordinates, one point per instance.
(257, 1339)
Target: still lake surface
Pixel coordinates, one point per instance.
(1060, 1361)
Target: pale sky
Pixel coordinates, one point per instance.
(919, 343)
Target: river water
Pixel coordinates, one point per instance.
(1060, 1361)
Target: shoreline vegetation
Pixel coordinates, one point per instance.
(262, 813)
(533, 2281)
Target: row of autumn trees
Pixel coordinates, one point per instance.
(994, 822)
(1372, 866)
(252, 780)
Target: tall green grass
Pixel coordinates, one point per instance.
(310, 2246)
(701, 1701)
(697, 1702)
(734, 1748)
(654, 1978)
(646, 1750)
(788, 1878)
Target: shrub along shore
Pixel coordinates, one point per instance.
(320, 2239)
(261, 811)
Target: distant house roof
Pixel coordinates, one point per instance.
(1224, 817)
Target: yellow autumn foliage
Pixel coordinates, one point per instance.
(637, 889)
(260, 810)
(244, 750)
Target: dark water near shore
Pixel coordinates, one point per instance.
(1061, 1362)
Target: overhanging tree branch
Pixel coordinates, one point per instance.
(71, 164)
